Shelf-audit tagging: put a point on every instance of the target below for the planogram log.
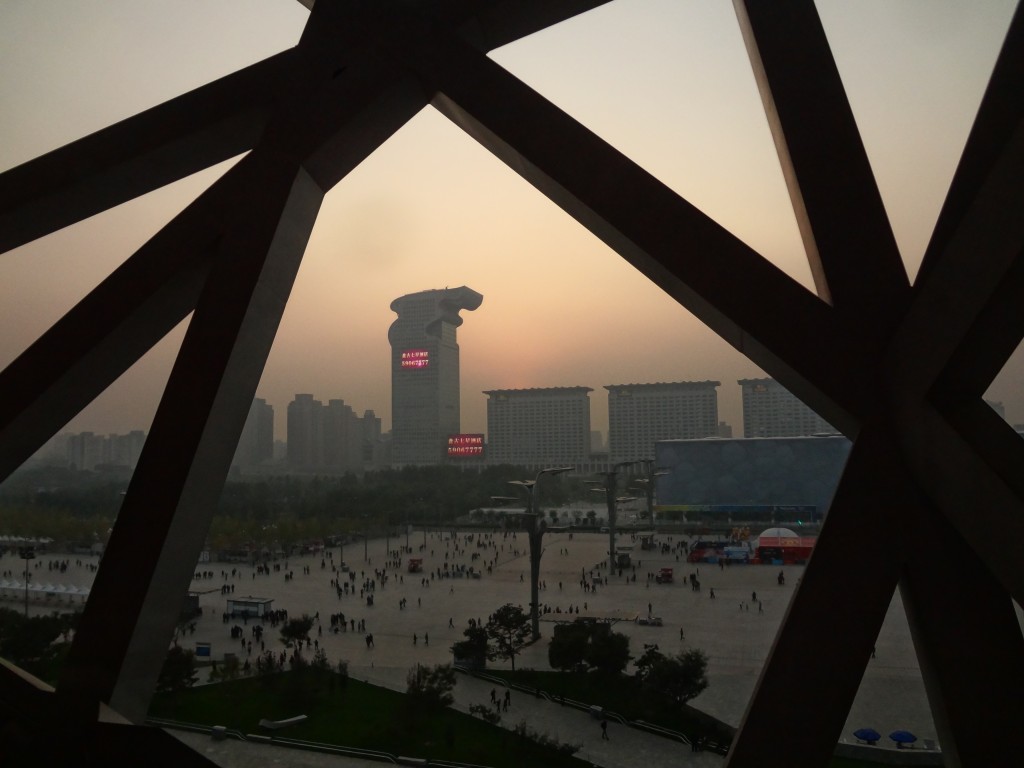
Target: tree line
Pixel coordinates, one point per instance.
(80, 506)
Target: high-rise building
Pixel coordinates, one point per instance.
(89, 451)
(771, 410)
(124, 450)
(305, 438)
(342, 437)
(641, 414)
(425, 373)
(256, 443)
(373, 449)
(538, 427)
(331, 438)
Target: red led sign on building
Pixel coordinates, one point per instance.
(415, 358)
(463, 446)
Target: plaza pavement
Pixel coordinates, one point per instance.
(735, 638)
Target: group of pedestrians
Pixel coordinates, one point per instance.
(501, 703)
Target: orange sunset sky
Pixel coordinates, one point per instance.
(667, 82)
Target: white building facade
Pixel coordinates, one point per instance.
(540, 427)
(641, 414)
(771, 410)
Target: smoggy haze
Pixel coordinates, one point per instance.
(666, 81)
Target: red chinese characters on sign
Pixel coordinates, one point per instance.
(465, 445)
(415, 358)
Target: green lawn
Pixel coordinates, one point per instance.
(354, 715)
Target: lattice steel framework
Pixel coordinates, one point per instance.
(900, 368)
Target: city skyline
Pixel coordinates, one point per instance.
(412, 217)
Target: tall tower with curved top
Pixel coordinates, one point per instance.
(425, 372)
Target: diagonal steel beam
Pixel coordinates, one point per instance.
(830, 627)
(996, 443)
(495, 23)
(850, 246)
(999, 116)
(976, 283)
(120, 320)
(111, 328)
(955, 609)
(142, 153)
(129, 159)
(490, 24)
(741, 296)
(971, 495)
(122, 637)
(987, 345)
(980, 260)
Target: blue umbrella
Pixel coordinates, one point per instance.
(870, 735)
(903, 737)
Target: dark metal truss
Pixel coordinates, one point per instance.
(901, 368)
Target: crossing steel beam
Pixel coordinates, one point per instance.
(900, 368)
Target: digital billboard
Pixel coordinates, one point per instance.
(464, 446)
(415, 358)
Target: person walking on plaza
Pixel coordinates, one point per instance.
(604, 730)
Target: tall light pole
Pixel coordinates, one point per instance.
(535, 535)
(647, 482)
(610, 499)
(27, 554)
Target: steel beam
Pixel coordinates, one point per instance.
(900, 371)
(999, 116)
(111, 328)
(968, 642)
(650, 226)
(976, 274)
(816, 664)
(850, 246)
(142, 153)
(121, 641)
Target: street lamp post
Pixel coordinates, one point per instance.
(27, 554)
(608, 486)
(647, 481)
(535, 536)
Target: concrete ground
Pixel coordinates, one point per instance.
(734, 634)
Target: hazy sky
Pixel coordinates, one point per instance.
(665, 81)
